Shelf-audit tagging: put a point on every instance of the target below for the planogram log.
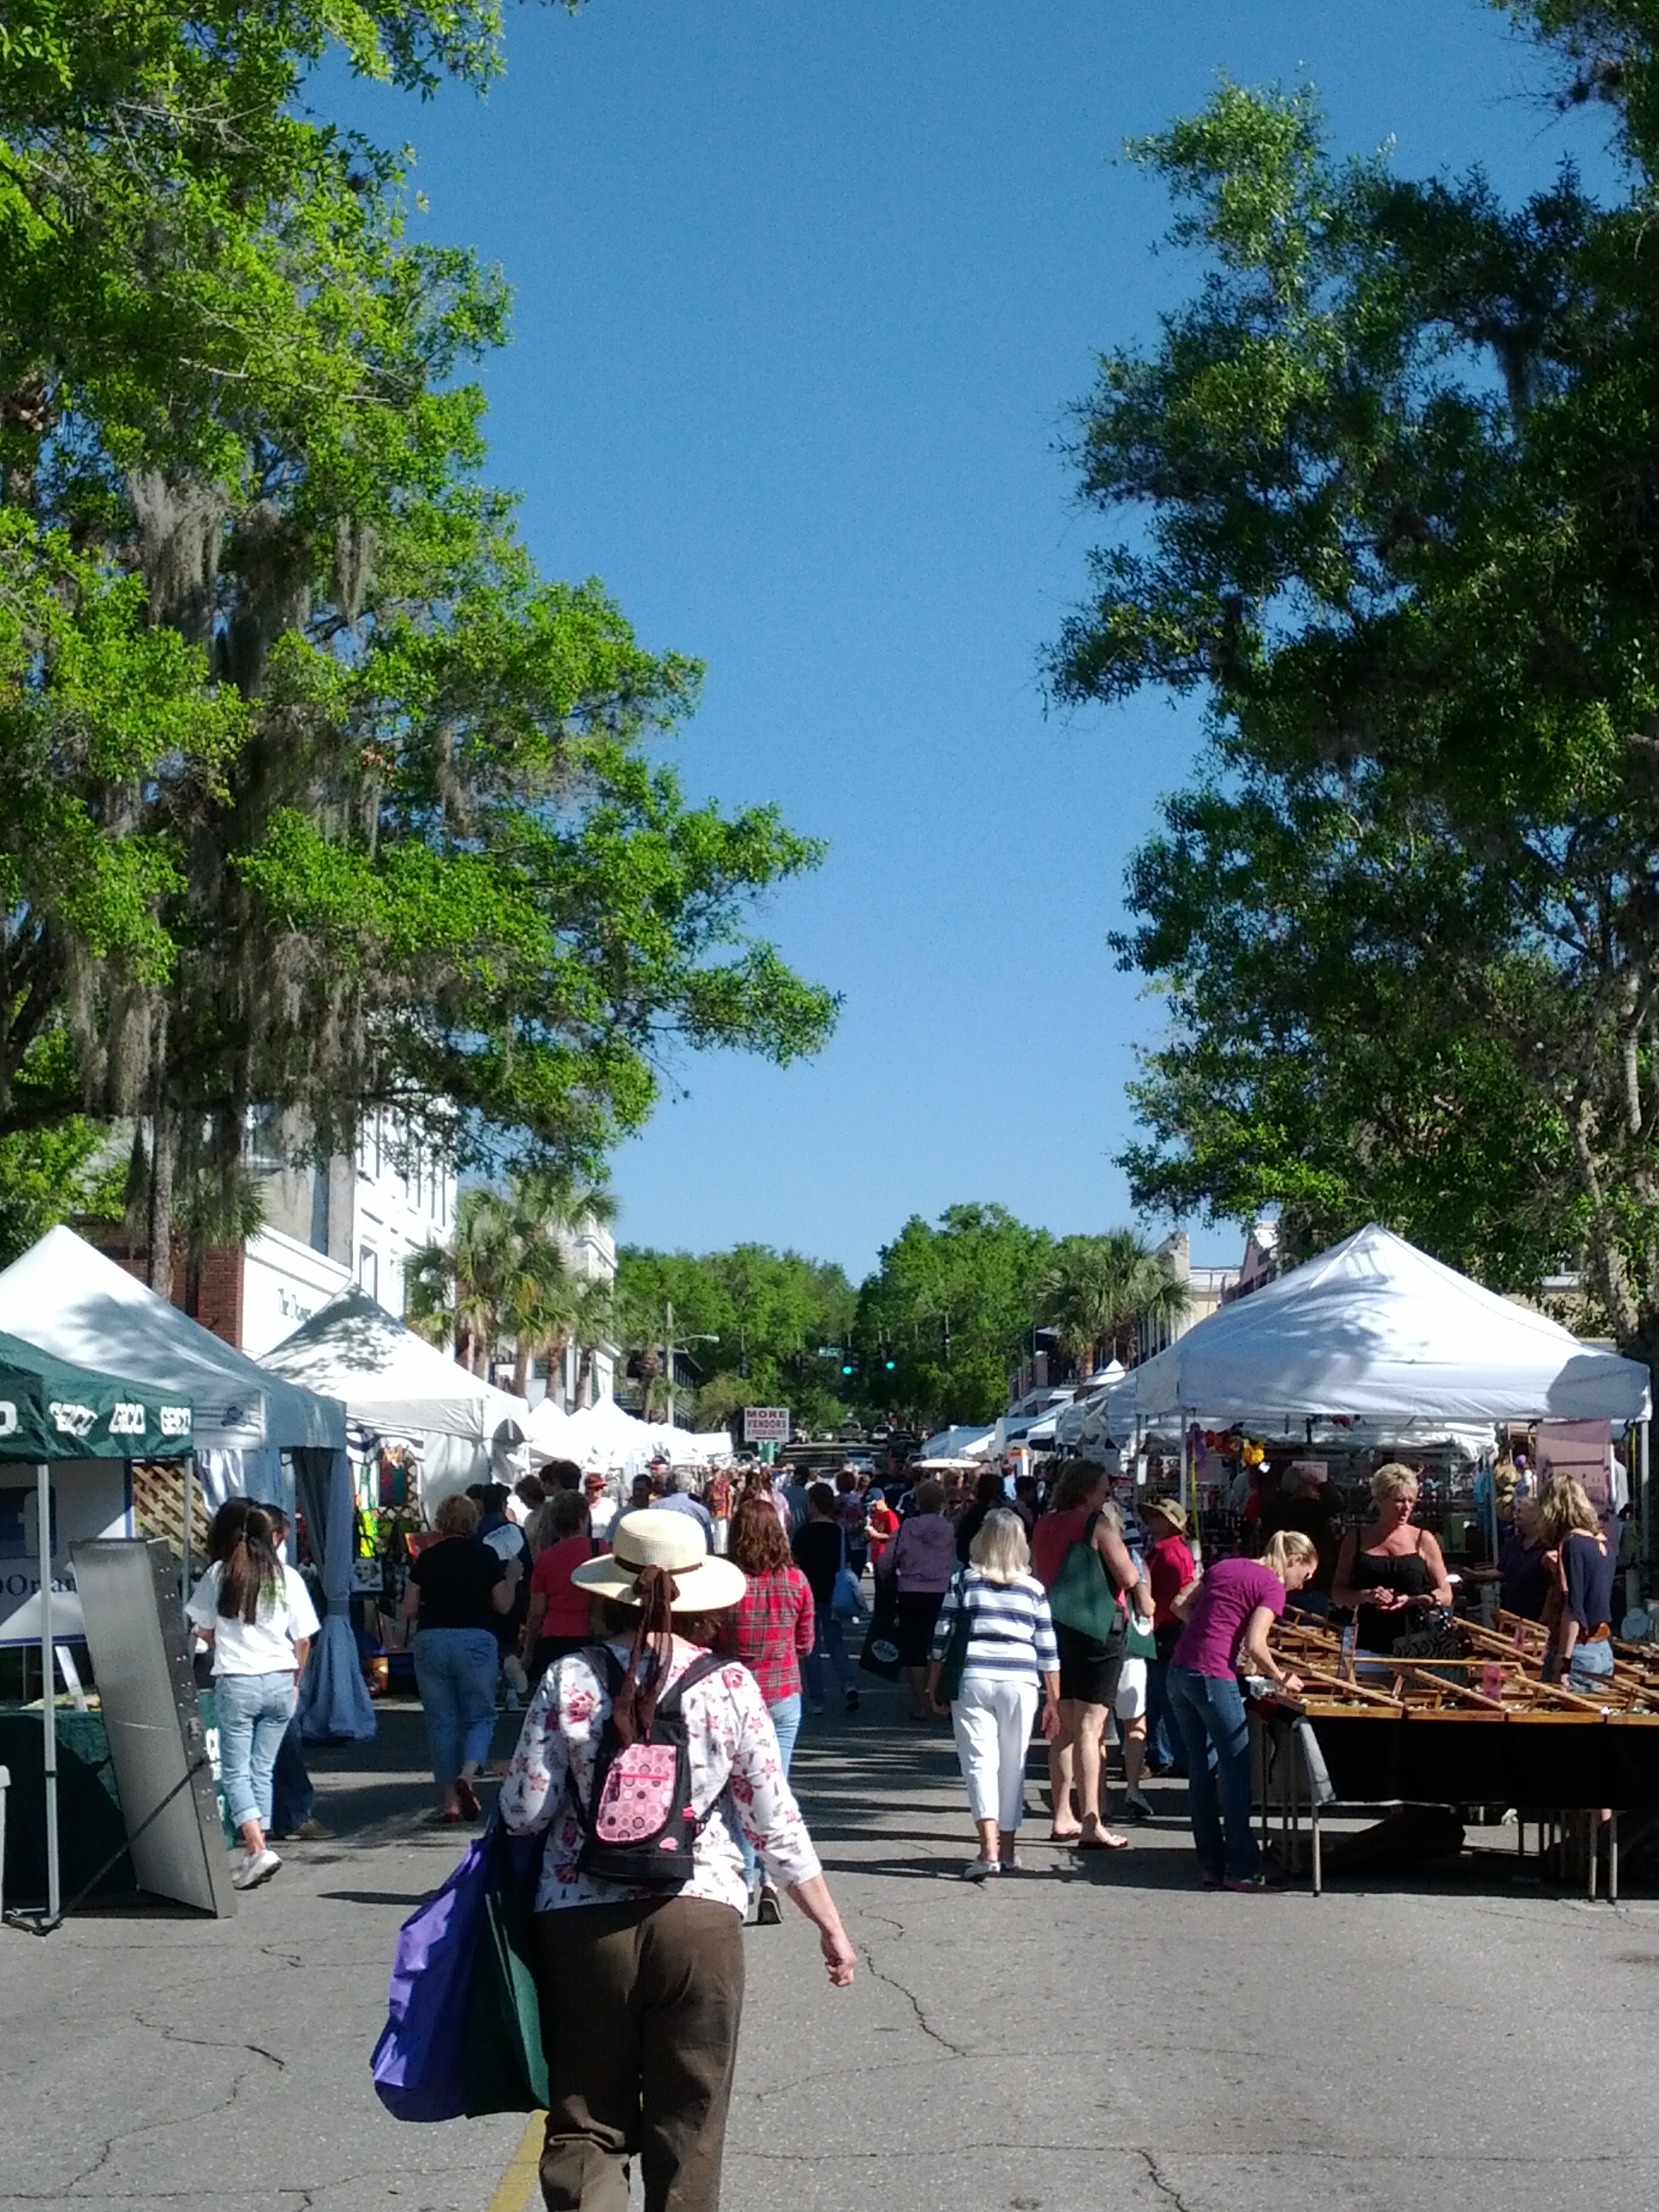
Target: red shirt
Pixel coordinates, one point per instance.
(884, 1527)
(1170, 1568)
(569, 1611)
(768, 1628)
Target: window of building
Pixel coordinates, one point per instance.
(368, 1270)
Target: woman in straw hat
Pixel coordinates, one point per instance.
(643, 1987)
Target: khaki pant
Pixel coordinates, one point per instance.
(641, 2005)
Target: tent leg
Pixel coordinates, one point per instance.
(48, 1694)
(1318, 1862)
(1613, 1859)
(187, 1482)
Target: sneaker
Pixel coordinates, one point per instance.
(517, 1680)
(257, 1867)
(1012, 1864)
(981, 1869)
(308, 1832)
(1136, 1805)
(852, 1701)
(1258, 1885)
(769, 1913)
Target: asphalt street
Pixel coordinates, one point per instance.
(1080, 2035)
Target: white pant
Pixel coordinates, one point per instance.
(992, 1718)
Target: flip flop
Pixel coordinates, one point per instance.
(1064, 1835)
(1108, 1842)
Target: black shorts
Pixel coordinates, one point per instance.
(1088, 1670)
(918, 1613)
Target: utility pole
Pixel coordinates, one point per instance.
(668, 1356)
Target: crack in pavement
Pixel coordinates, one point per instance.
(1155, 2175)
(169, 2034)
(957, 2050)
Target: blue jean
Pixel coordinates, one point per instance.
(455, 1671)
(786, 1725)
(1165, 1745)
(1590, 1668)
(254, 1712)
(1210, 1711)
(292, 1795)
(826, 1637)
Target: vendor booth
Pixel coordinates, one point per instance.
(397, 1387)
(56, 1416)
(1375, 1331)
(256, 1434)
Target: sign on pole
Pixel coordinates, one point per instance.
(766, 1425)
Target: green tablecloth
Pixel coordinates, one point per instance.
(90, 1827)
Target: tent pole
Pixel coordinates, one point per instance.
(187, 1484)
(48, 1692)
(1647, 1501)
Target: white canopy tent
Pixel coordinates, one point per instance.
(68, 1298)
(1376, 1328)
(393, 1382)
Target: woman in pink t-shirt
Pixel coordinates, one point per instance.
(1228, 1616)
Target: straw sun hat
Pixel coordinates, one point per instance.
(1171, 1510)
(674, 1542)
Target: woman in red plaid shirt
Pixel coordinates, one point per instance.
(768, 1629)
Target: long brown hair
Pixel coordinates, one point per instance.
(757, 1543)
(251, 1567)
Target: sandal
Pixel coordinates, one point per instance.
(471, 1808)
(1107, 1840)
(1064, 1835)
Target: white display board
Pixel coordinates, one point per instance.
(90, 1497)
(766, 1425)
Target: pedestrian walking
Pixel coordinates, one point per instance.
(292, 1793)
(258, 1615)
(1010, 1658)
(820, 1552)
(460, 1591)
(1169, 1568)
(1090, 1645)
(770, 1630)
(641, 1982)
(988, 1495)
(920, 1561)
(559, 1616)
(853, 1510)
(1228, 1616)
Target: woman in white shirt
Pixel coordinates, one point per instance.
(259, 1616)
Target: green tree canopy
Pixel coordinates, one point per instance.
(1392, 479)
(771, 1316)
(948, 1305)
(320, 795)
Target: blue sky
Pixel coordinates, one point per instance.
(804, 293)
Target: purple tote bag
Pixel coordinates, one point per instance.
(418, 2062)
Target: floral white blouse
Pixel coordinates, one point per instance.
(735, 1767)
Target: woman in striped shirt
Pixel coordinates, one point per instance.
(1010, 1655)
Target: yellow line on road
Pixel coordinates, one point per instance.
(516, 2184)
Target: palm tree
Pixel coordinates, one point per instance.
(546, 1301)
(456, 1292)
(1098, 1289)
(505, 1272)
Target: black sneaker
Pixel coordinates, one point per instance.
(852, 1701)
(769, 1913)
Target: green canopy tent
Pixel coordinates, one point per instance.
(50, 1411)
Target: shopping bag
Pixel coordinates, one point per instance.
(955, 1662)
(417, 2063)
(505, 2065)
(462, 2032)
(880, 1655)
(1083, 1597)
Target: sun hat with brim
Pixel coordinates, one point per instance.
(674, 1542)
(1175, 1514)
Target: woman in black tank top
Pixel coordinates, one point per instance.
(1390, 1573)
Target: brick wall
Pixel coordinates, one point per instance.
(217, 1304)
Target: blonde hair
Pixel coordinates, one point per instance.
(457, 1517)
(1289, 1548)
(1391, 1480)
(999, 1550)
(1564, 1507)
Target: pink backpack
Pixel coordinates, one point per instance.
(641, 1826)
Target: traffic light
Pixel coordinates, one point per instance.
(889, 1363)
(847, 1366)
